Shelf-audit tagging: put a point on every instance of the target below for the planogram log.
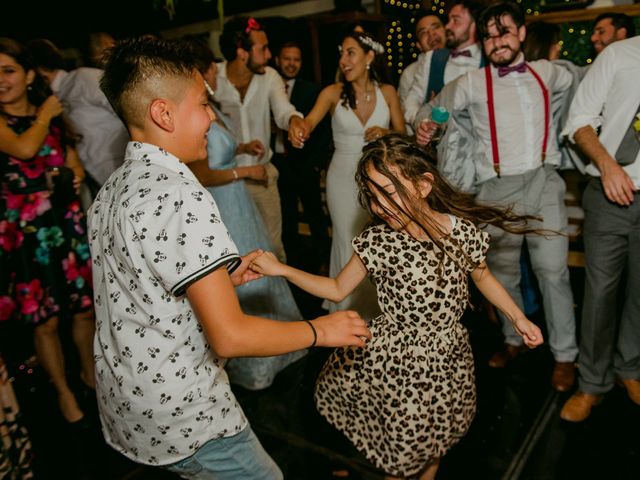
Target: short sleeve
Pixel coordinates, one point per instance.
(474, 243)
(364, 246)
(186, 239)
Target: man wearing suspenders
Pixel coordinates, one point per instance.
(511, 159)
(441, 66)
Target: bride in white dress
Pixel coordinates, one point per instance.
(363, 109)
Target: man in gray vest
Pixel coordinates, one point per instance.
(608, 98)
(439, 67)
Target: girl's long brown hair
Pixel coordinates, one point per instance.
(401, 153)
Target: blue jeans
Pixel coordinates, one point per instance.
(231, 458)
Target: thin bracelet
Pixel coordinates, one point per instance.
(235, 174)
(315, 334)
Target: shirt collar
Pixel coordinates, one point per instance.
(474, 49)
(519, 59)
(58, 79)
(152, 154)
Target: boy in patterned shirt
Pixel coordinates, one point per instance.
(164, 272)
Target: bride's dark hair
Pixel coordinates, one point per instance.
(377, 69)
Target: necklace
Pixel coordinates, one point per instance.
(367, 97)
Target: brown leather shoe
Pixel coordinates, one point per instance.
(633, 389)
(501, 358)
(563, 376)
(578, 407)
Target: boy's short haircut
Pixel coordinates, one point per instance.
(237, 34)
(138, 70)
(495, 12)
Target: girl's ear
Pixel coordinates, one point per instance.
(425, 184)
(31, 76)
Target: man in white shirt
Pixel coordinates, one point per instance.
(430, 35)
(439, 67)
(248, 92)
(103, 136)
(611, 27)
(512, 160)
(608, 98)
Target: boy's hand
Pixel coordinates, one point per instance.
(244, 273)
(529, 332)
(341, 329)
(267, 264)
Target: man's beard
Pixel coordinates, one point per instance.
(453, 42)
(256, 68)
(506, 60)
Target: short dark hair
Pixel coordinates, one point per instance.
(136, 61)
(45, 54)
(423, 12)
(202, 53)
(474, 7)
(495, 12)
(289, 44)
(541, 36)
(618, 20)
(237, 34)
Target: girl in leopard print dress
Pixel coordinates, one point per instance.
(407, 397)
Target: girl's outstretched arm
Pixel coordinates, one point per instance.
(333, 289)
(496, 294)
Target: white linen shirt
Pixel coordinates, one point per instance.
(103, 136)
(608, 96)
(153, 230)
(454, 68)
(519, 114)
(251, 118)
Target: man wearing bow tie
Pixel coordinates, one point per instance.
(511, 160)
(443, 65)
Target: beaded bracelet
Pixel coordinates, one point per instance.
(315, 334)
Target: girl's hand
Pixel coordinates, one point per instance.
(298, 131)
(267, 264)
(50, 108)
(254, 147)
(529, 332)
(374, 133)
(256, 172)
(244, 273)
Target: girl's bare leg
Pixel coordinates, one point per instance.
(82, 330)
(49, 353)
(429, 473)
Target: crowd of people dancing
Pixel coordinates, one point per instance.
(149, 210)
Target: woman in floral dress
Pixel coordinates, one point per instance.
(44, 255)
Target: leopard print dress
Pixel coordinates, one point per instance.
(409, 395)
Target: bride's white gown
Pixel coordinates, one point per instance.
(348, 218)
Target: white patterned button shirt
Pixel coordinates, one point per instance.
(153, 230)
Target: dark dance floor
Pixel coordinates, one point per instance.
(517, 432)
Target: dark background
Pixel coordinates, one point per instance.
(68, 22)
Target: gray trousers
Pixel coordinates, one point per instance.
(539, 192)
(612, 250)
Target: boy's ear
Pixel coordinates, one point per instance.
(425, 184)
(162, 114)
